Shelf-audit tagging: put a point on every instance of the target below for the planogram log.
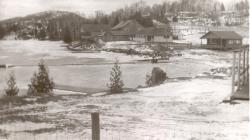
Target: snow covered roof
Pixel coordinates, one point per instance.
(222, 35)
(123, 24)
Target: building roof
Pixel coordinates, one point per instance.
(154, 31)
(222, 35)
(122, 24)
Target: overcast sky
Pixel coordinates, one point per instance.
(13, 8)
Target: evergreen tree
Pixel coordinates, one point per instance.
(104, 20)
(2, 32)
(12, 89)
(41, 83)
(222, 7)
(42, 34)
(116, 82)
(116, 21)
(67, 36)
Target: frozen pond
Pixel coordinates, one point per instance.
(87, 70)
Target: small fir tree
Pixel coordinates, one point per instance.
(41, 83)
(116, 82)
(12, 89)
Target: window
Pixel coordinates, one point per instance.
(230, 42)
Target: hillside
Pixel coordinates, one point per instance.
(44, 25)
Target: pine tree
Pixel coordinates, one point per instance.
(222, 7)
(116, 21)
(104, 20)
(116, 82)
(42, 34)
(41, 83)
(67, 36)
(12, 89)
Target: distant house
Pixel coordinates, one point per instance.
(153, 34)
(183, 15)
(222, 40)
(125, 30)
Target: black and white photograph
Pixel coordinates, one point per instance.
(124, 70)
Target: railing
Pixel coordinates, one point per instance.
(241, 58)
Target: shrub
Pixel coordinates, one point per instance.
(157, 77)
(116, 82)
(41, 83)
(12, 89)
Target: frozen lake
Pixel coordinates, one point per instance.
(86, 70)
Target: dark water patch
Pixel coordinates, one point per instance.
(3, 134)
(79, 89)
(42, 130)
(92, 106)
(14, 101)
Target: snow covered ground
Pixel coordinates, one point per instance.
(182, 108)
(190, 109)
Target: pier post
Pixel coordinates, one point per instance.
(233, 73)
(244, 72)
(238, 70)
(95, 126)
(247, 64)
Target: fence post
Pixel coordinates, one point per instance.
(244, 68)
(233, 73)
(247, 64)
(95, 126)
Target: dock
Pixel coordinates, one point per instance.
(240, 74)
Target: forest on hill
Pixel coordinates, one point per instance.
(53, 25)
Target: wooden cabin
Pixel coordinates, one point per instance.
(221, 40)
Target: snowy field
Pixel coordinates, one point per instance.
(187, 108)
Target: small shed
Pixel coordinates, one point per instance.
(222, 40)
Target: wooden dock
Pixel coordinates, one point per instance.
(240, 74)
